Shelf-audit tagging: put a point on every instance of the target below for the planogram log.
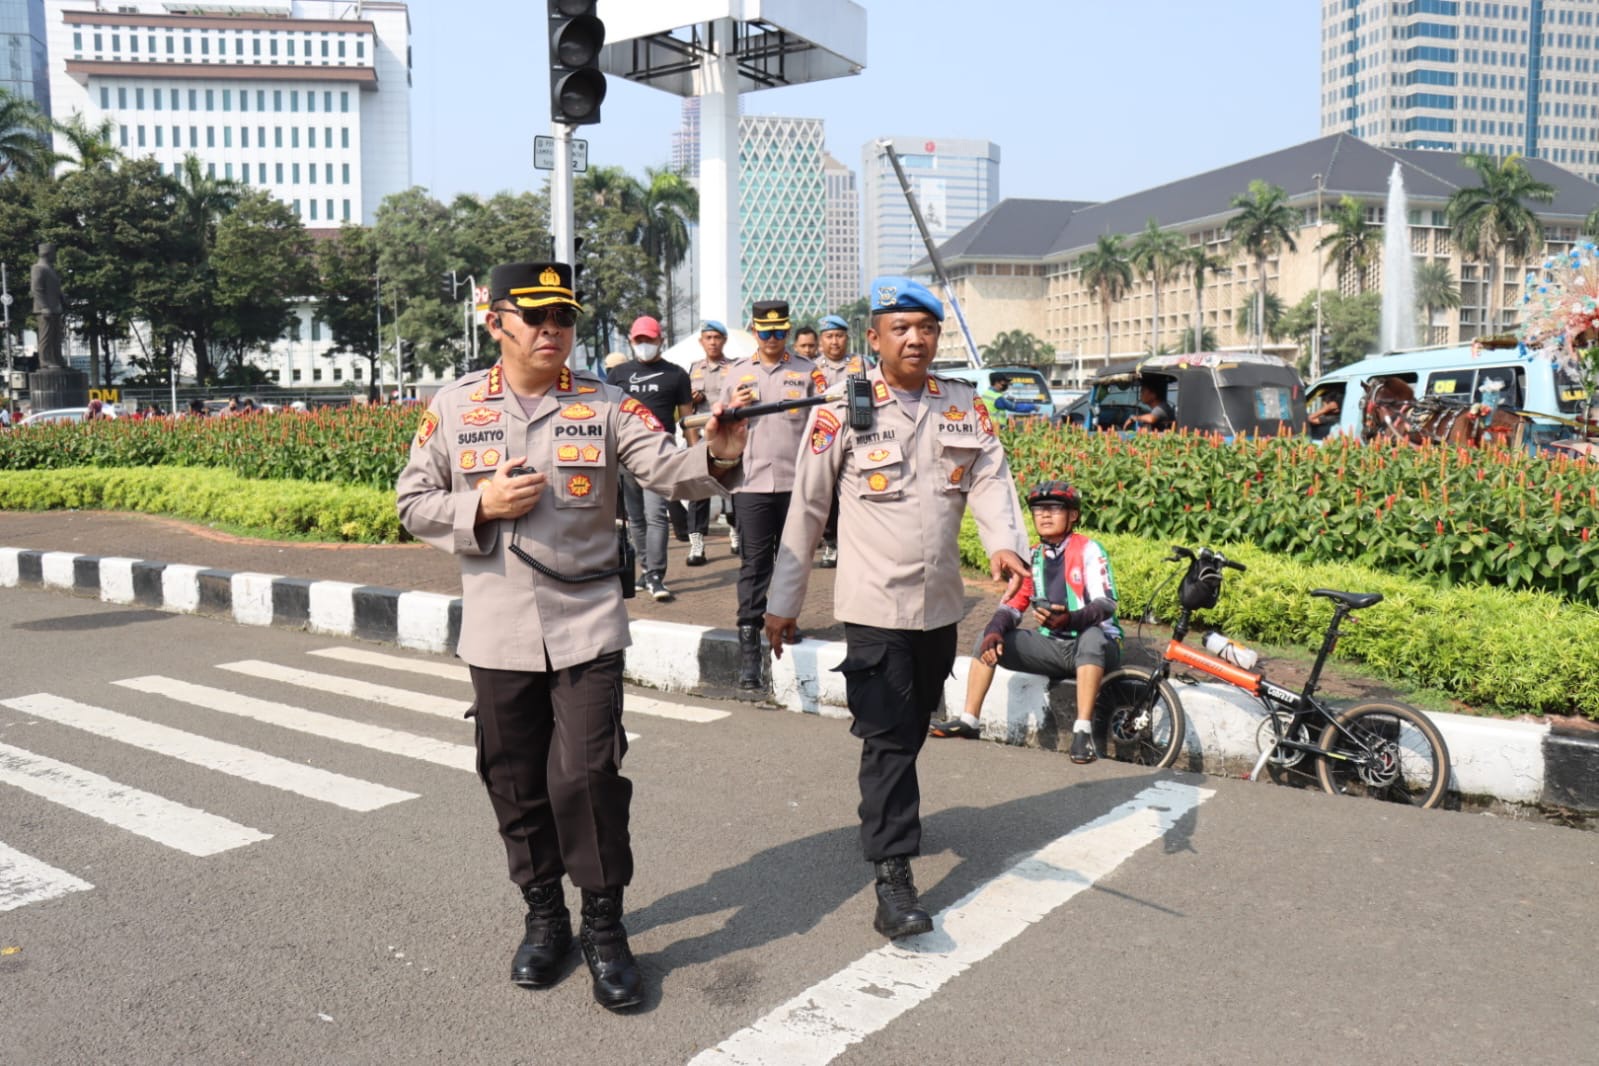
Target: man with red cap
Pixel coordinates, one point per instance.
(665, 389)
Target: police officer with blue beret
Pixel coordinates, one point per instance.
(903, 484)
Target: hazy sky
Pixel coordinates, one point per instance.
(1087, 99)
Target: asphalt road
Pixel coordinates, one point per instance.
(1086, 914)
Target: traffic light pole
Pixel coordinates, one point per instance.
(5, 302)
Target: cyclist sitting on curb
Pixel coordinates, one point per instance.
(1073, 596)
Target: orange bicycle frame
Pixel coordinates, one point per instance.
(1215, 666)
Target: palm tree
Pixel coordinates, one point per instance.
(1159, 255)
(91, 145)
(1435, 289)
(670, 205)
(1590, 225)
(1107, 273)
(23, 149)
(1490, 220)
(1354, 242)
(202, 200)
(1272, 322)
(612, 187)
(1200, 262)
(1264, 225)
(1207, 341)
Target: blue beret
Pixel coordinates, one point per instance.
(895, 293)
(710, 325)
(834, 322)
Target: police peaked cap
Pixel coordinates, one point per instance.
(533, 285)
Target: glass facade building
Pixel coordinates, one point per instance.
(24, 67)
(1465, 76)
(782, 213)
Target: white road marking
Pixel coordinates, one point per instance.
(820, 1023)
(363, 657)
(678, 711)
(25, 880)
(345, 686)
(287, 716)
(161, 820)
(351, 793)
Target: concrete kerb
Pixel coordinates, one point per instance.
(1511, 761)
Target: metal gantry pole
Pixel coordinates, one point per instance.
(5, 303)
(1315, 342)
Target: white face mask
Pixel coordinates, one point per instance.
(646, 350)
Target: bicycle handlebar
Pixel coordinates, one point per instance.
(1179, 553)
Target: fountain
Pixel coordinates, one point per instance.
(1398, 271)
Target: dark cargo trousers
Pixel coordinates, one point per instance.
(895, 682)
(549, 750)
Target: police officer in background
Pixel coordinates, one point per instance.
(903, 485)
(706, 378)
(514, 469)
(836, 364)
(760, 501)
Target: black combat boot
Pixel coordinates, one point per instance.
(539, 960)
(749, 657)
(899, 912)
(617, 982)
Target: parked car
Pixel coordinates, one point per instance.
(1231, 393)
(66, 414)
(1027, 385)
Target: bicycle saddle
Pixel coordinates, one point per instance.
(1353, 600)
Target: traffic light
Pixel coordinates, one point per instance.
(406, 349)
(447, 285)
(577, 88)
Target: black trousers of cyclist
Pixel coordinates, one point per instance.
(895, 682)
(760, 526)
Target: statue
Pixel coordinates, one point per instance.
(47, 307)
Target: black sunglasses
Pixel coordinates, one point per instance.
(564, 317)
(770, 334)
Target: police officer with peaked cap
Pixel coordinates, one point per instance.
(760, 502)
(903, 485)
(514, 469)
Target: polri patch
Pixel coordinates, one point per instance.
(983, 420)
(630, 406)
(424, 432)
(824, 431)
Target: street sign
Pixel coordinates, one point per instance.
(5, 299)
(544, 154)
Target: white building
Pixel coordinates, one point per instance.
(843, 234)
(1465, 76)
(307, 99)
(955, 181)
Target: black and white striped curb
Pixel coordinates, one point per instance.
(1513, 761)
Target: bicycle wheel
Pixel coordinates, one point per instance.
(1384, 751)
(1138, 720)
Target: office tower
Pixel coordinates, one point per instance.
(1465, 76)
(308, 99)
(782, 198)
(843, 234)
(955, 182)
(24, 70)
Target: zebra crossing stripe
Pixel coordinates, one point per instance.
(174, 825)
(632, 704)
(822, 1022)
(286, 716)
(344, 686)
(400, 663)
(25, 880)
(348, 792)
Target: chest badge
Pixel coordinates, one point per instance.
(481, 416)
(877, 482)
(578, 411)
(578, 486)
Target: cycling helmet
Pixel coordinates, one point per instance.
(1060, 492)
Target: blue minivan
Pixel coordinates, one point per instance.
(1527, 382)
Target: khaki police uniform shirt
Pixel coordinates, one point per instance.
(773, 439)
(708, 377)
(512, 617)
(903, 486)
(833, 372)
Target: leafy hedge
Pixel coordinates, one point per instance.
(287, 508)
(341, 446)
(1451, 515)
(1501, 651)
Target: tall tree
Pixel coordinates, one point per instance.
(1017, 347)
(618, 275)
(1435, 290)
(507, 227)
(264, 263)
(670, 205)
(202, 201)
(1354, 242)
(1159, 255)
(1201, 263)
(23, 148)
(347, 265)
(1264, 225)
(1107, 274)
(1271, 324)
(90, 146)
(1491, 219)
(412, 231)
(1351, 323)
